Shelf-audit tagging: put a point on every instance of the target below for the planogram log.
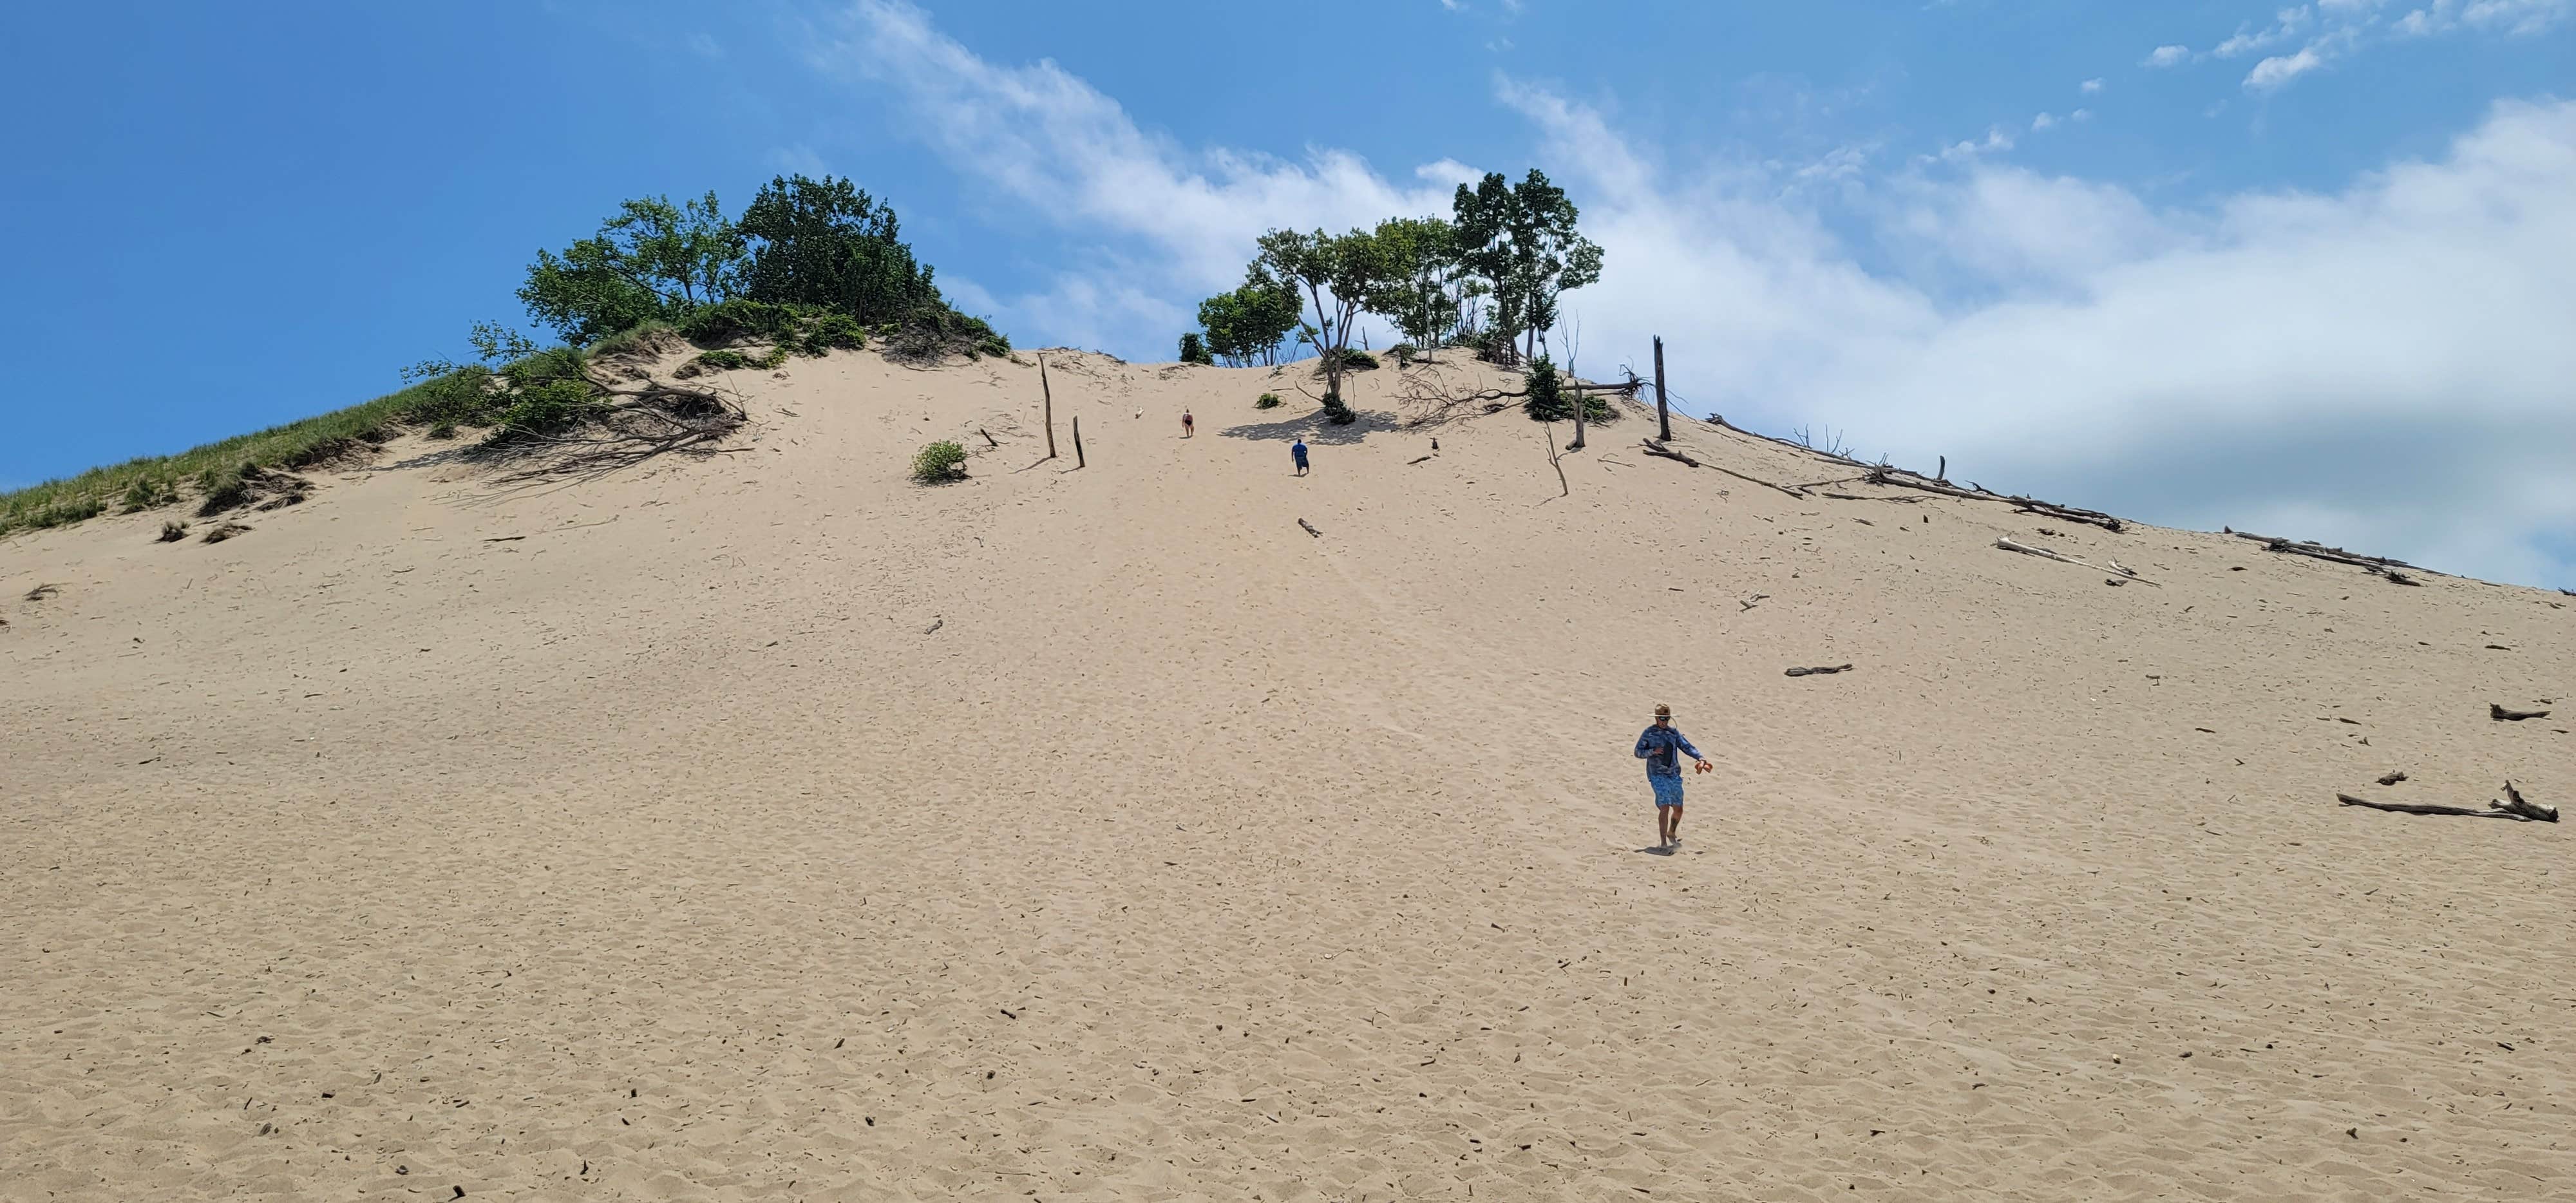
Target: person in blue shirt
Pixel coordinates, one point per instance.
(1297, 452)
(1664, 772)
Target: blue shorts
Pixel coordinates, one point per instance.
(1668, 790)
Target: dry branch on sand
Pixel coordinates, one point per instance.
(41, 592)
(1819, 672)
(2511, 806)
(2502, 715)
(1310, 528)
(638, 420)
(2126, 574)
(2380, 566)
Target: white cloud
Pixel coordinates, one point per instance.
(2090, 86)
(1995, 141)
(2514, 18)
(2080, 116)
(2287, 24)
(2382, 366)
(1042, 137)
(2281, 69)
(2041, 122)
(2166, 56)
(2328, 30)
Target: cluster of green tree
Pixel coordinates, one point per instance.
(815, 246)
(1488, 276)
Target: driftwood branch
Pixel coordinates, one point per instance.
(2043, 553)
(2375, 565)
(2511, 806)
(2502, 715)
(1818, 672)
(1310, 528)
(1883, 475)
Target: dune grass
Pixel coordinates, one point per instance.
(154, 481)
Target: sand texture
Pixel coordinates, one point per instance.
(767, 826)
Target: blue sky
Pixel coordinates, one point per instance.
(2292, 267)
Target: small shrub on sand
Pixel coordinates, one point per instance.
(1337, 411)
(1267, 401)
(444, 430)
(149, 493)
(833, 331)
(941, 461)
(221, 488)
(723, 361)
(172, 532)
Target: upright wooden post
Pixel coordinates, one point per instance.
(1077, 440)
(1581, 399)
(1050, 405)
(1663, 414)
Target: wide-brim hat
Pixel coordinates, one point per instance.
(1663, 712)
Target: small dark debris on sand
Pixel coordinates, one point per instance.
(2502, 715)
(1310, 528)
(172, 532)
(2392, 778)
(225, 531)
(41, 592)
(1818, 672)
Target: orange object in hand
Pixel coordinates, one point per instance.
(1702, 766)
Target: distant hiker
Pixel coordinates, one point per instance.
(1664, 772)
(1188, 425)
(1297, 452)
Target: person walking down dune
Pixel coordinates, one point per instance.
(1664, 772)
(1297, 452)
(1189, 425)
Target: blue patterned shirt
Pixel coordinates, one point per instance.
(1656, 746)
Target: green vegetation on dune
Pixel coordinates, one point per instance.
(154, 481)
(811, 266)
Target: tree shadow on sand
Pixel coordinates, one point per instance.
(1314, 429)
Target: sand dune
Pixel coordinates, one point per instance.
(770, 827)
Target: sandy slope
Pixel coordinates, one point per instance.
(667, 851)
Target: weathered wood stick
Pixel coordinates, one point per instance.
(2405, 808)
(2502, 715)
(2513, 804)
(2042, 552)
(1817, 672)
(988, 437)
(1049, 394)
(1077, 440)
(1310, 528)
(1898, 477)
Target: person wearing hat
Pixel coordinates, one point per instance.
(1657, 748)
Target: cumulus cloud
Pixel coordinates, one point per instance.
(2091, 86)
(2166, 56)
(2382, 366)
